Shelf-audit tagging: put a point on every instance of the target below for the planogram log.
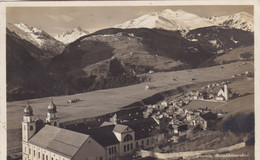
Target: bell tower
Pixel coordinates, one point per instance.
(52, 117)
(28, 129)
(114, 119)
(28, 123)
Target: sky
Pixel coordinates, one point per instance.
(55, 20)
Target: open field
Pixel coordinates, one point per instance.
(109, 100)
(106, 101)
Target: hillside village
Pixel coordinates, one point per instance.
(173, 112)
(154, 87)
(149, 128)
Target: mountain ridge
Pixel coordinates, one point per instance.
(71, 35)
(112, 57)
(167, 19)
(185, 21)
(39, 38)
(240, 20)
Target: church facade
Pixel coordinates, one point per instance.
(110, 141)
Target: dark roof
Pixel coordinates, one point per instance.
(104, 135)
(163, 125)
(39, 125)
(209, 116)
(143, 127)
(58, 140)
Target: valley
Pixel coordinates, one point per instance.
(187, 79)
(97, 103)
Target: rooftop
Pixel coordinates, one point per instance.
(209, 116)
(104, 135)
(143, 127)
(58, 140)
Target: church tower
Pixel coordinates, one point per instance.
(114, 119)
(28, 123)
(52, 117)
(28, 129)
(226, 92)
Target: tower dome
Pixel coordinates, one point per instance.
(52, 107)
(28, 111)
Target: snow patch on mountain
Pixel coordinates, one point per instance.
(39, 38)
(34, 33)
(241, 20)
(168, 20)
(71, 36)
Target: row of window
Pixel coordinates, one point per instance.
(142, 143)
(128, 147)
(44, 157)
(112, 150)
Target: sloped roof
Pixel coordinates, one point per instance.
(143, 127)
(104, 135)
(119, 128)
(209, 116)
(106, 124)
(58, 140)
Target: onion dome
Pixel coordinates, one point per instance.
(52, 107)
(28, 111)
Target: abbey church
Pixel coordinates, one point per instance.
(45, 140)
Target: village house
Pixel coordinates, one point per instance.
(205, 121)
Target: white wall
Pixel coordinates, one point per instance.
(114, 154)
(42, 152)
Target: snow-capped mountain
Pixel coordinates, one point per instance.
(241, 20)
(168, 20)
(70, 36)
(37, 37)
(34, 33)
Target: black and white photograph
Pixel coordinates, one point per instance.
(130, 82)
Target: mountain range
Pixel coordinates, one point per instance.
(241, 20)
(39, 38)
(39, 65)
(184, 21)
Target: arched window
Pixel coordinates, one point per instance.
(31, 128)
(128, 137)
(55, 123)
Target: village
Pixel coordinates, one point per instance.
(178, 119)
(185, 121)
(171, 125)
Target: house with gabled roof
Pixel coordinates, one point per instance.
(206, 120)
